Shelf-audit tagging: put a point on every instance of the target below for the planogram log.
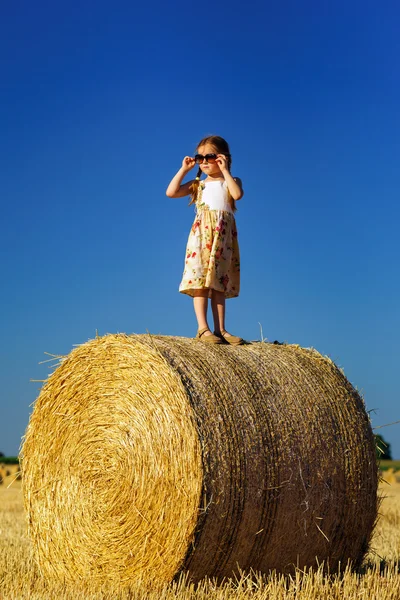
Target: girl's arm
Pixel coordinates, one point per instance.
(175, 188)
(234, 184)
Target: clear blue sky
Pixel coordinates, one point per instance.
(99, 103)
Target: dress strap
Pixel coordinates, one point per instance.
(199, 194)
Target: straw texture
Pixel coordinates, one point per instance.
(150, 455)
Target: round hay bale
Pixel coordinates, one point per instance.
(149, 455)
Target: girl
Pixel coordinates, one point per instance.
(212, 265)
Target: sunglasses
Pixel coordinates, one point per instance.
(199, 158)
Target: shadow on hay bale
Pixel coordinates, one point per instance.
(149, 455)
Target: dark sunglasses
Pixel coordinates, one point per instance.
(199, 158)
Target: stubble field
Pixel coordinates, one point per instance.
(379, 578)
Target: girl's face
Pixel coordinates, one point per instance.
(209, 168)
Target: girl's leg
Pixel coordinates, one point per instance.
(218, 309)
(200, 303)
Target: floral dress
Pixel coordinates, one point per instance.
(212, 258)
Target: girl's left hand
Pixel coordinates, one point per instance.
(222, 162)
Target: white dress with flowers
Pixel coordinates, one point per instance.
(212, 258)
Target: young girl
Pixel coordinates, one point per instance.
(212, 264)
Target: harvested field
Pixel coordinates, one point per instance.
(378, 578)
(8, 473)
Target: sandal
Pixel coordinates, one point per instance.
(208, 339)
(233, 340)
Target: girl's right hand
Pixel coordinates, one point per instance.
(188, 163)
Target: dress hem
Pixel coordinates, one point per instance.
(191, 292)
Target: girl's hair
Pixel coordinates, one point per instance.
(221, 147)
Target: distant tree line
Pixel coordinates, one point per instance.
(8, 460)
(383, 450)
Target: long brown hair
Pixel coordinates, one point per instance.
(220, 146)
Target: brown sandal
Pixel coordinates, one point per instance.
(208, 339)
(233, 340)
